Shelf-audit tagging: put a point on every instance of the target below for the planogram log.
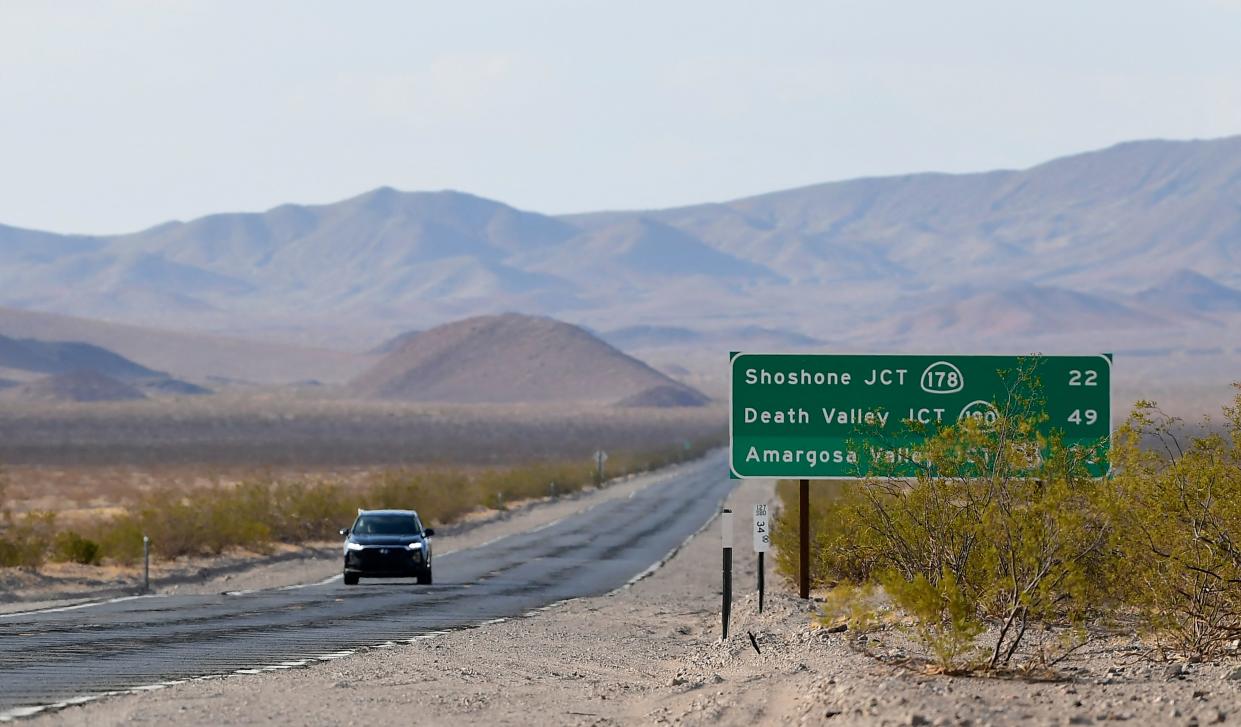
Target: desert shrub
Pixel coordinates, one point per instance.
(206, 521)
(119, 538)
(1018, 541)
(946, 618)
(308, 510)
(1178, 510)
(260, 511)
(998, 521)
(70, 547)
(438, 496)
(853, 605)
(841, 549)
(24, 539)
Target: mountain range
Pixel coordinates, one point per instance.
(1111, 223)
(1137, 246)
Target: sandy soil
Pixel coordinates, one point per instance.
(652, 654)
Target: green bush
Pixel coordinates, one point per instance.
(120, 539)
(69, 547)
(840, 547)
(24, 539)
(1178, 512)
(984, 531)
(258, 512)
(946, 618)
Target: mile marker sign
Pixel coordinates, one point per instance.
(828, 416)
(762, 532)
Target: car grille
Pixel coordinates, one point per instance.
(397, 556)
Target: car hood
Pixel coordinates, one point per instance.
(398, 540)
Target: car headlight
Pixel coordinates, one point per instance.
(416, 545)
(353, 546)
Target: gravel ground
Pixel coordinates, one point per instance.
(652, 654)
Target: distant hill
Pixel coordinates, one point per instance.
(1015, 311)
(509, 359)
(664, 396)
(56, 357)
(79, 369)
(649, 336)
(189, 355)
(639, 252)
(1188, 291)
(739, 337)
(396, 342)
(75, 386)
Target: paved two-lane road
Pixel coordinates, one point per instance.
(54, 656)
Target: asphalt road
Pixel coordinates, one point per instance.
(52, 657)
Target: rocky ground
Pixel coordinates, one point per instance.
(652, 654)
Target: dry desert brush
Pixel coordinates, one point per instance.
(1177, 505)
(992, 521)
(260, 512)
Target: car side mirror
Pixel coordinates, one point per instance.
(429, 532)
(344, 531)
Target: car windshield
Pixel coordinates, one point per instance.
(386, 525)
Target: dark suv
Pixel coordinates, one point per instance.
(387, 544)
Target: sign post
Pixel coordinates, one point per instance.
(726, 531)
(803, 538)
(826, 416)
(762, 543)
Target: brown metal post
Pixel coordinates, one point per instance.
(803, 534)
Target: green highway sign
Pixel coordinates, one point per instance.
(828, 416)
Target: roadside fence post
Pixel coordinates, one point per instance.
(146, 564)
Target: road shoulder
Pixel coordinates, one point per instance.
(651, 653)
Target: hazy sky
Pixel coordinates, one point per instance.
(118, 115)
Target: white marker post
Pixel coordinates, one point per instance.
(726, 530)
(762, 543)
(600, 458)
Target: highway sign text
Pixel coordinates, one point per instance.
(822, 416)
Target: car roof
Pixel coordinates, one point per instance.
(387, 512)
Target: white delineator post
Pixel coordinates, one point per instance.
(600, 458)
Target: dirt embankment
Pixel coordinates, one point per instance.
(652, 654)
